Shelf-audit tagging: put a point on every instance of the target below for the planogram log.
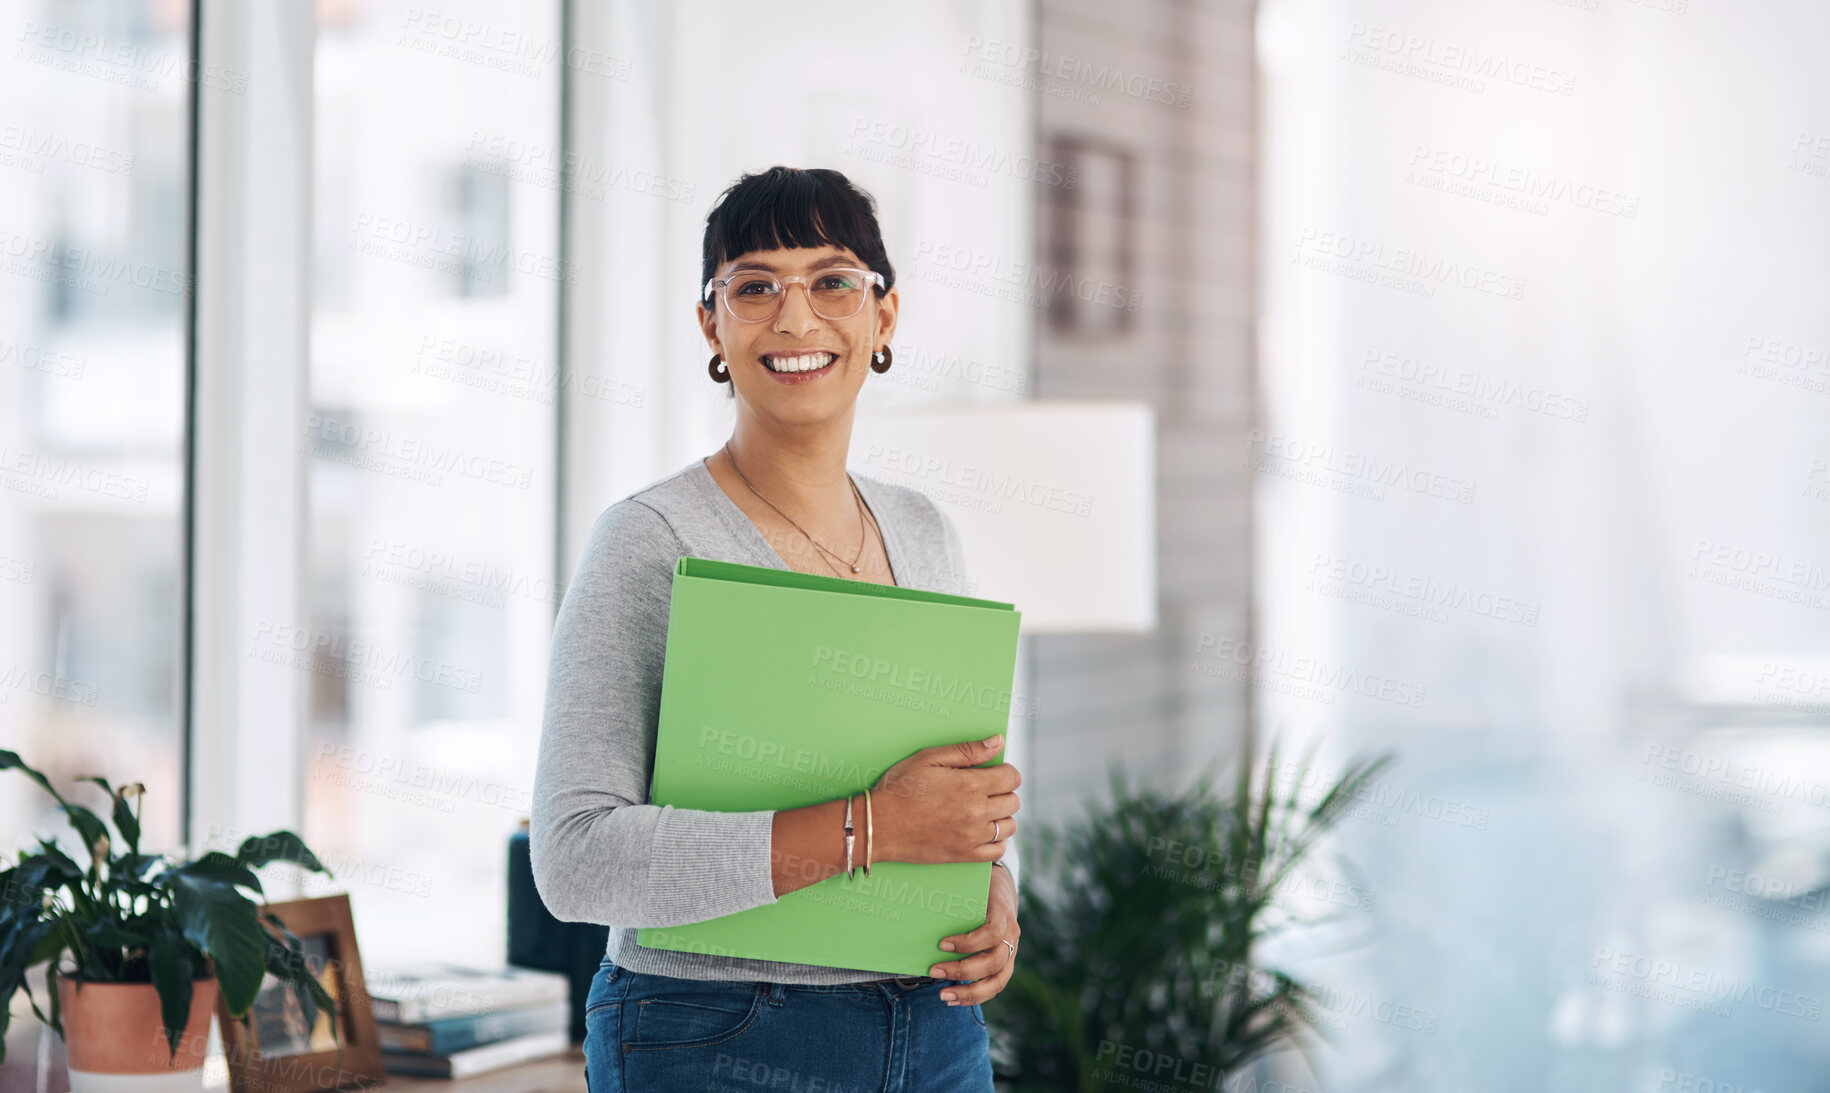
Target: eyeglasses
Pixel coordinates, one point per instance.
(756, 295)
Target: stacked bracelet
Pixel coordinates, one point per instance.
(848, 838)
(868, 828)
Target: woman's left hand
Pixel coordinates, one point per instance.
(991, 961)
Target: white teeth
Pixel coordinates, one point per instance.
(805, 362)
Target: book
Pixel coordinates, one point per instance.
(412, 993)
(781, 689)
(448, 1034)
(479, 1060)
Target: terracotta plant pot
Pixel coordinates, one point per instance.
(116, 1044)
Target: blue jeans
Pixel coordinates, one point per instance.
(660, 1034)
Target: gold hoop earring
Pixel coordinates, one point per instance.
(880, 362)
(719, 375)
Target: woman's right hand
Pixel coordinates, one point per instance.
(938, 805)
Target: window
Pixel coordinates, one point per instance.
(432, 487)
(93, 177)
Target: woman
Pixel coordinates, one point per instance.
(799, 302)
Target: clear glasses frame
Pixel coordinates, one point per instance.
(870, 277)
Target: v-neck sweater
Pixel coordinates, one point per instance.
(600, 852)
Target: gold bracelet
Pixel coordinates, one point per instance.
(868, 830)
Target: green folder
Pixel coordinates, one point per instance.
(782, 689)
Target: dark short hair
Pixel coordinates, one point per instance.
(786, 207)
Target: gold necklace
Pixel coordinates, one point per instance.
(863, 532)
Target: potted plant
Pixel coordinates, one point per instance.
(1140, 931)
(150, 941)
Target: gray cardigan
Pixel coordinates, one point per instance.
(601, 853)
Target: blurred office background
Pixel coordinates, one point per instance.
(1485, 344)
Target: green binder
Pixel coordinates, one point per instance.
(782, 689)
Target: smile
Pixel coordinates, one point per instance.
(798, 363)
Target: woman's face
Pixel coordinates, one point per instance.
(798, 397)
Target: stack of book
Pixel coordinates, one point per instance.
(450, 1021)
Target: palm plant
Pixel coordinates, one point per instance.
(1140, 931)
(131, 917)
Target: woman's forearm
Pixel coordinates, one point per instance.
(808, 843)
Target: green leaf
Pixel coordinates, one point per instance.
(107, 935)
(9, 760)
(171, 976)
(259, 850)
(286, 961)
(218, 866)
(91, 828)
(125, 821)
(16, 953)
(50, 867)
(226, 925)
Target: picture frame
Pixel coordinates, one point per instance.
(275, 1052)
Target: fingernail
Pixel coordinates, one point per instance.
(947, 945)
(948, 996)
(994, 741)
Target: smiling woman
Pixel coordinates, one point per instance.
(798, 306)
